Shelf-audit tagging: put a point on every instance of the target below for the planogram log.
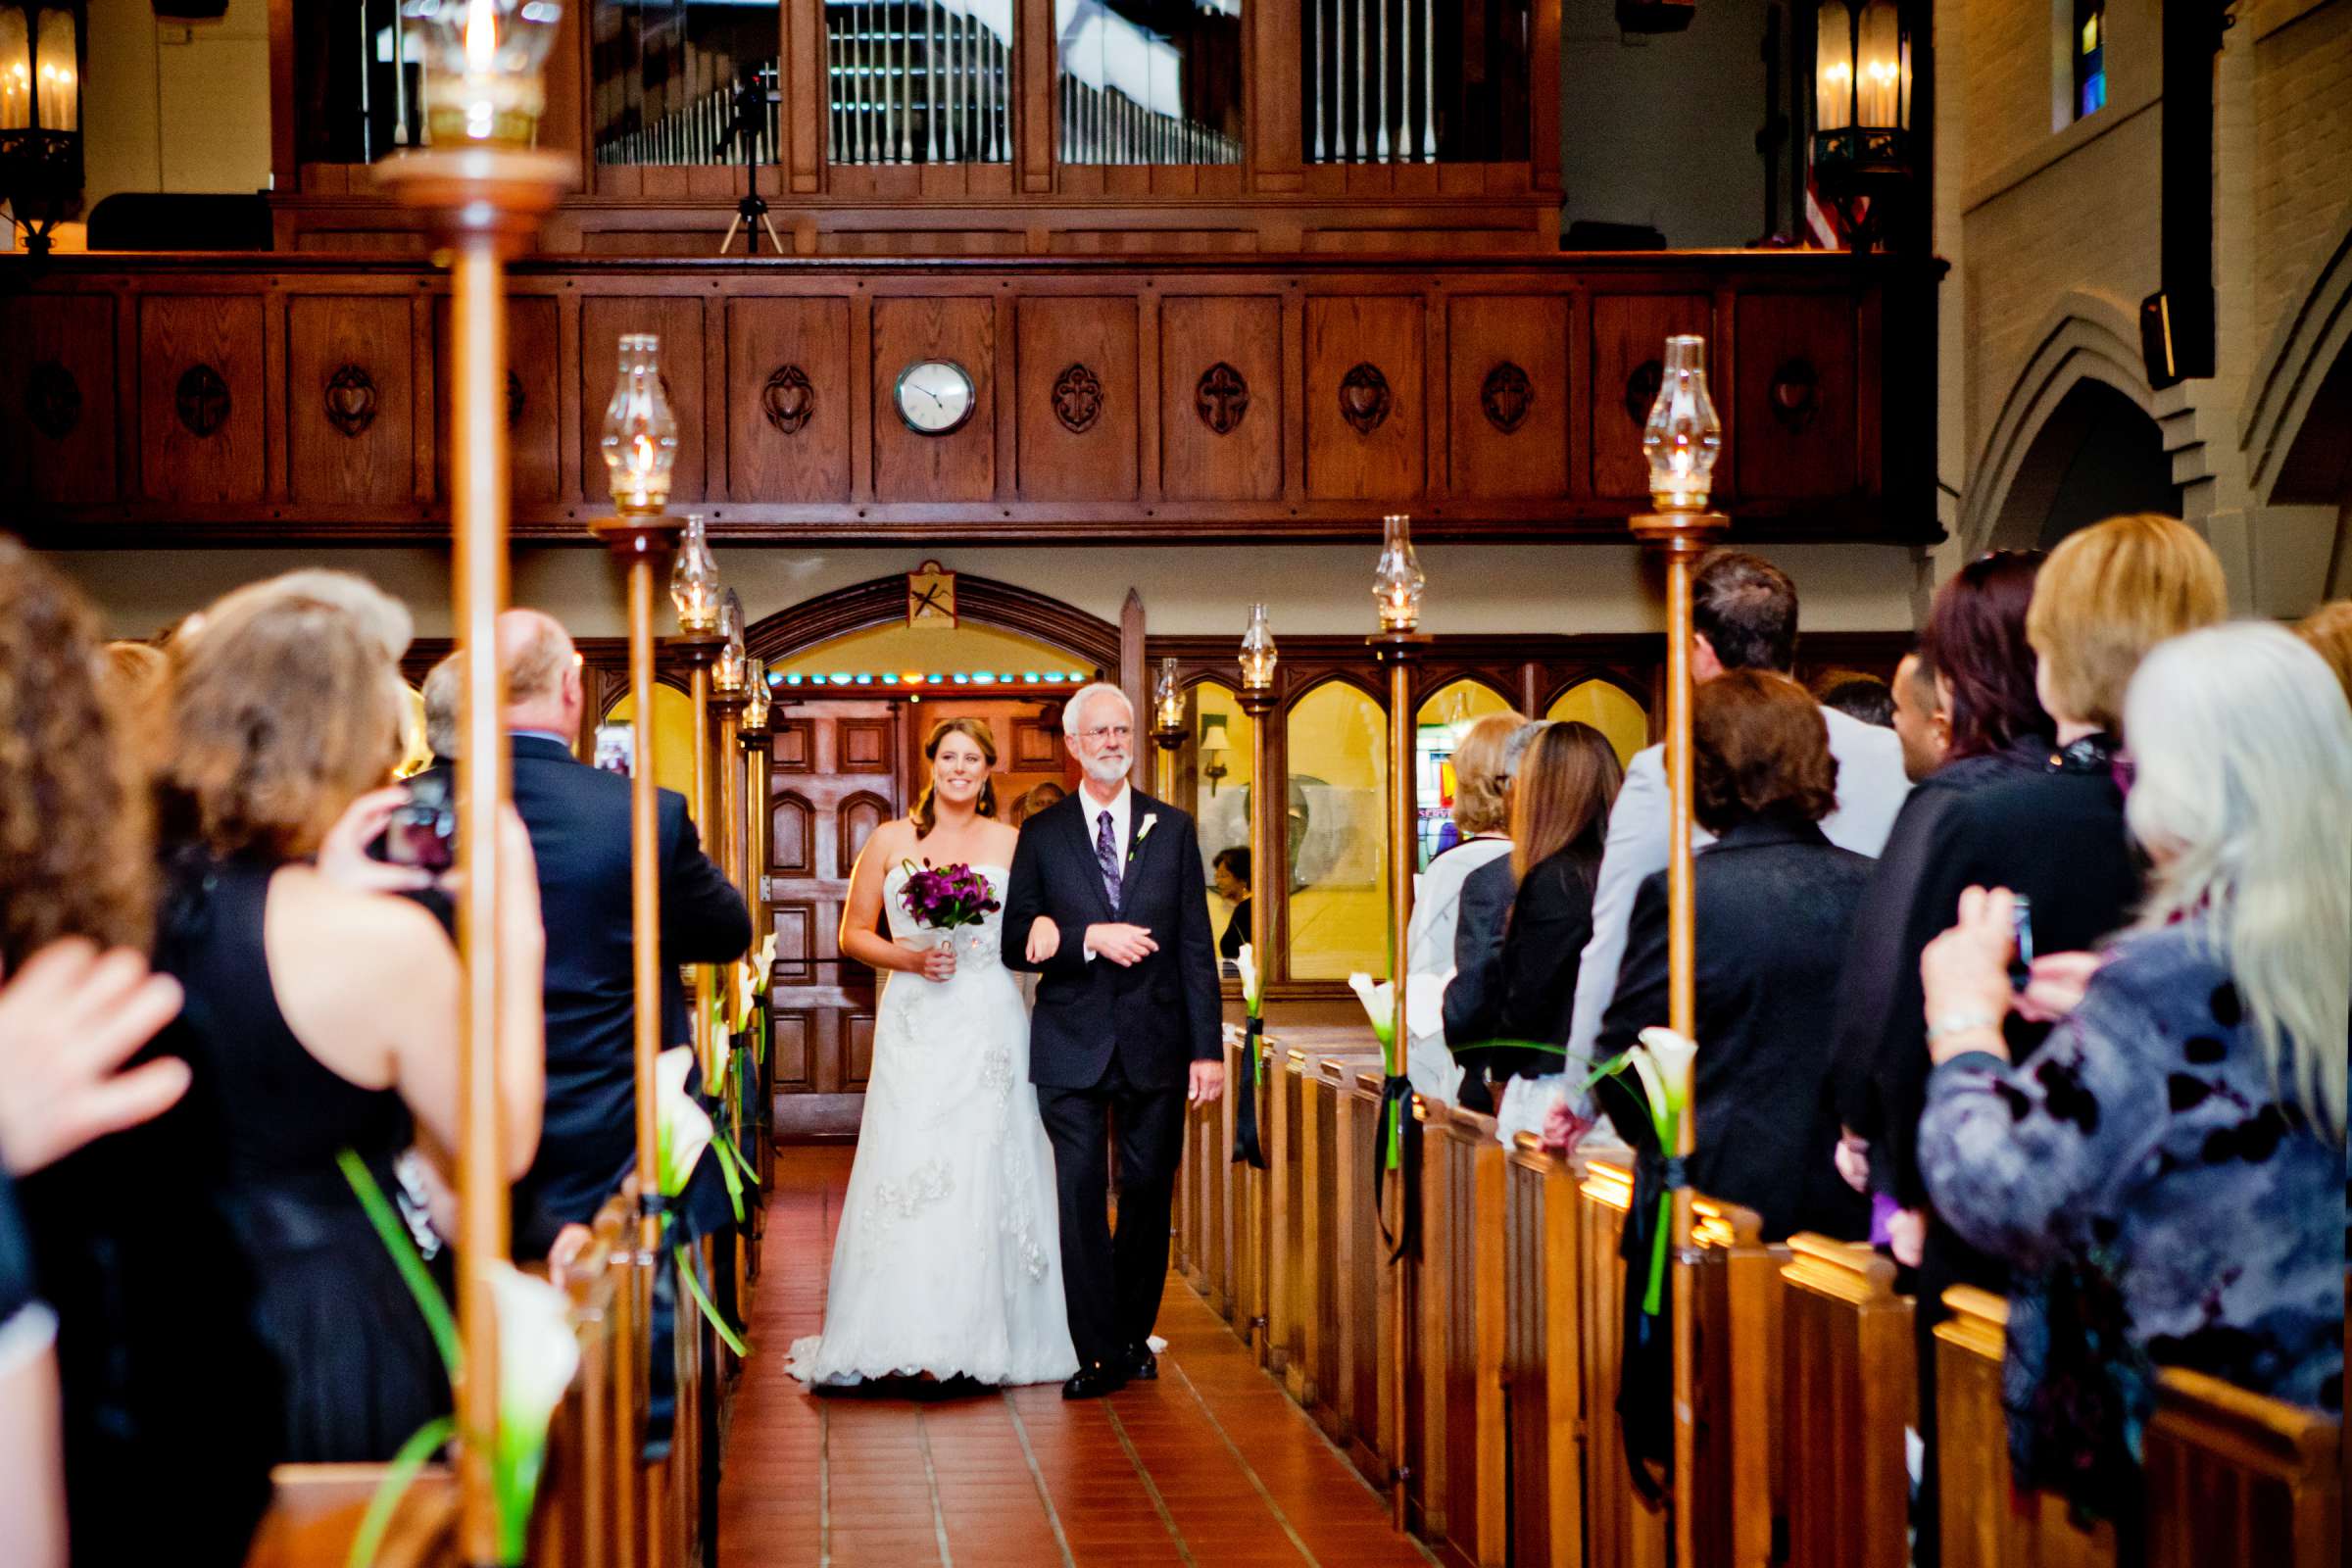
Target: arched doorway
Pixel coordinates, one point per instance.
(855, 689)
(2096, 455)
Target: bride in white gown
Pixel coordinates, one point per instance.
(949, 1256)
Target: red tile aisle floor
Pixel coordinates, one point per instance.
(1210, 1466)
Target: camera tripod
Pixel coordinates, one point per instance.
(754, 92)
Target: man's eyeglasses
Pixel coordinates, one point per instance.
(1106, 732)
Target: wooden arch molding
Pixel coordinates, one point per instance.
(882, 602)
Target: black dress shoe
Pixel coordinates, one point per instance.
(1093, 1381)
(1140, 1365)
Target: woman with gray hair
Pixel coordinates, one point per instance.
(2164, 1175)
(1484, 820)
(1472, 1003)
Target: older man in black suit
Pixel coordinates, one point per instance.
(1127, 1024)
(579, 825)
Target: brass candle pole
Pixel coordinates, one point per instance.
(753, 739)
(1396, 588)
(1259, 660)
(1682, 439)
(698, 652)
(485, 199)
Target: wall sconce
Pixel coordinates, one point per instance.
(40, 115)
(1257, 651)
(640, 442)
(728, 671)
(1214, 745)
(1398, 581)
(694, 582)
(1683, 437)
(482, 60)
(1861, 110)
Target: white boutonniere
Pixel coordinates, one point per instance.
(1142, 833)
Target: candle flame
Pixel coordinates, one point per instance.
(481, 34)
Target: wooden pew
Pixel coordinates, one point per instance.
(2232, 1477)
(1850, 1394)
(1454, 1406)
(1542, 1388)
(315, 1509)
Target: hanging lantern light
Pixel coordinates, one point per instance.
(1257, 651)
(1861, 108)
(1397, 580)
(640, 442)
(694, 582)
(726, 672)
(1682, 436)
(481, 76)
(42, 49)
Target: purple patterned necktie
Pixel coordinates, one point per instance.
(1106, 852)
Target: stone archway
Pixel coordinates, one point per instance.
(2298, 433)
(2096, 454)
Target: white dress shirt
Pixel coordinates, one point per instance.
(1122, 808)
(1871, 786)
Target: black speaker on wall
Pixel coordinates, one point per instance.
(191, 10)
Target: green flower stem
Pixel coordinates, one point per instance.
(395, 1236)
(694, 1288)
(422, 1444)
(1652, 1298)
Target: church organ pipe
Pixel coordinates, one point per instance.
(1380, 87)
(1317, 40)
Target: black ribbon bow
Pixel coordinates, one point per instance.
(1396, 1101)
(1244, 1101)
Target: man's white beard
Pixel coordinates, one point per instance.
(1103, 769)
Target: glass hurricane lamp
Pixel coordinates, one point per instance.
(640, 442)
(1168, 701)
(1257, 651)
(482, 85)
(694, 582)
(755, 695)
(1683, 437)
(727, 673)
(1398, 581)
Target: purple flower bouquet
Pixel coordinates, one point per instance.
(944, 898)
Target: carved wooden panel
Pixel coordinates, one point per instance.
(1220, 398)
(350, 420)
(865, 744)
(856, 817)
(56, 398)
(792, 836)
(795, 942)
(790, 1031)
(534, 428)
(678, 322)
(1507, 395)
(958, 466)
(201, 391)
(1036, 744)
(788, 400)
(1365, 425)
(1076, 417)
(792, 744)
(858, 1035)
(1795, 395)
(1629, 347)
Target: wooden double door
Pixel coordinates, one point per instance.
(839, 769)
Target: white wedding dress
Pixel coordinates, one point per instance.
(949, 1256)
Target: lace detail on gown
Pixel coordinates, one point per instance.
(948, 1259)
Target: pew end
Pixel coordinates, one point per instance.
(315, 1509)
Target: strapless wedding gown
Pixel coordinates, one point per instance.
(949, 1256)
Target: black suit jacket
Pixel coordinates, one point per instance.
(1775, 907)
(578, 819)
(1473, 1005)
(1550, 922)
(1156, 1017)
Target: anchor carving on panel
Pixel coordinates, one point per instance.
(1795, 394)
(1077, 399)
(1221, 398)
(1365, 398)
(201, 399)
(1506, 397)
(788, 400)
(351, 401)
(53, 400)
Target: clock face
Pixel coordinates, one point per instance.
(935, 395)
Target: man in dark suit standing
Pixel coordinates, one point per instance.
(578, 819)
(1108, 905)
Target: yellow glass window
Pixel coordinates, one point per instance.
(1608, 710)
(1336, 841)
(673, 740)
(1223, 739)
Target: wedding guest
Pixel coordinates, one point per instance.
(1471, 1008)
(2328, 629)
(2164, 1172)
(1774, 902)
(2052, 830)
(1858, 696)
(1559, 818)
(578, 820)
(1919, 721)
(1990, 727)
(1482, 820)
(322, 1015)
(1744, 614)
(1230, 876)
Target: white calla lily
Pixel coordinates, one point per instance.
(1247, 963)
(1675, 1056)
(682, 1128)
(1380, 1003)
(538, 1352)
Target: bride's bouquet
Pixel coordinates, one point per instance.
(946, 897)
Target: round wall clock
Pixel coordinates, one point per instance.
(935, 397)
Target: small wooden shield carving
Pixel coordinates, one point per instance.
(788, 399)
(1221, 398)
(201, 399)
(53, 400)
(1795, 395)
(1077, 399)
(1365, 398)
(351, 401)
(1506, 397)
